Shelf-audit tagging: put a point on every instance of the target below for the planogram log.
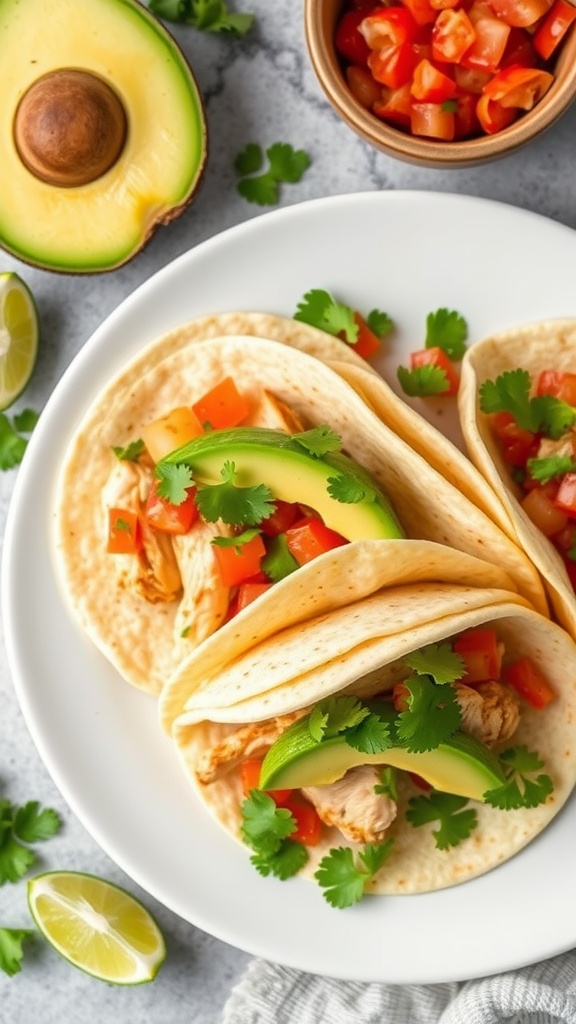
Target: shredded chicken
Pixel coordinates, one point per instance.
(205, 601)
(490, 711)
(274, 414)
(565, 445)
(154, 571)
(251, 740)
(353, 807)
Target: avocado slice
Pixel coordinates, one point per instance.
(461, 765)
(102, 134)
(264, 456)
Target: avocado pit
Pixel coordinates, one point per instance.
(70, 128)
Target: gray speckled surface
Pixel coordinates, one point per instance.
(260, 89)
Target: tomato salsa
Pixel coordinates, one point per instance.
(451, 69)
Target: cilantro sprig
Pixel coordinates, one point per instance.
(440, 661)
(447, 329)
(14, 436)
(549, 468)
(237, 506)
(344, 876)
(267, 828)
(423, 381)
(11, 949)
(205, 15)
(20, 828)
(174, 481)
(360, 726)
(320, 309)
(525, 786)
(129, 452)
(455, 821)
(432, 714)
(510, 392)
(261, 185)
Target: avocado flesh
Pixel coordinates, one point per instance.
(461, 765)
(264, 456)
(99, 225)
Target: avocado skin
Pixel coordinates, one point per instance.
(460, 765)
(262, 455)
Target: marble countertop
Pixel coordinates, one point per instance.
(259, 89)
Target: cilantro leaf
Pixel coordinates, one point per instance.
(278, 561)
(349, 491)
(285, 164)
(131, 452)
(319, 440)
(175, 481)
(33, 823)
(264, 825)
(237, 542)
(380, 323)
(547, 468)
(319, 309)
(432, 715)
(510, 392)
(455, 822)
(388, 785)
(237, 506)
(438, 661)
(423, 381)
(556, 416)
(284, 862)
(371, 736)
(11, 951)
(448, 330)
(205, 15)
(15, 859)
(12, 444)
(335, 715)
(521, 788)
(343, 878)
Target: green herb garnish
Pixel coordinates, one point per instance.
(205, 15)
(11, 951)
(12, 443)
(320, 309)
(131, 452)
(423, 381)
(431, 717)
(456, 822)
(344, 876)
(523, 786)
(439, 661)
(19, 828)
(237, 506)
(285, 165)
(550, 467)
(236, 542)
(448, 330)
(319, 440)
(510, 392)
(278, 561)
(267, 828)
(175, 481)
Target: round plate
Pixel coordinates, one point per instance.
(403, 252)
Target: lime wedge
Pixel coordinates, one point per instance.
(97, 926)
(18, 337)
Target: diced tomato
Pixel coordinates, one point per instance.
(566, 497)
(518, 87)
(466, 121)
(367, 343)
(248, 592)
(470, 79)
(560, 384)
(437, 357)
(433, 121)
(250, 775)
(429, 85)
(223, 406)
(284, 515)
(453, 33)
(393, 65)
(388, 26)
(163, 435)
(517, 444)
(488, 48)
(493, 116)
(553, 27)
(528, 681)
(310, 537)
(421, 783)
(396, 106)
(308, 824)
(400, 695)
(520, 13)
(123, 532)
(482, 655)
(543, 512)
(421, 10)
(237, 564)
(363, 86)
(349, 41)
(164, 515)
(444, 5)
(519, 50)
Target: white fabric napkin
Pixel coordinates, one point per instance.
(541, 994)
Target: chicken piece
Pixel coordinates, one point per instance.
(205, 600)
(251, 740)
(272, 413)
(153, 572)
(490, 711)
(562, 446)
(351, 805)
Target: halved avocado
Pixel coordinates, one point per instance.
(461, 765)
(102, 131)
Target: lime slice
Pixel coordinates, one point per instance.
(18, 337)
(97, 926)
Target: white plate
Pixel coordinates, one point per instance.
(406, 253)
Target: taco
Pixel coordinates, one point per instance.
(516, 403)
(159, 592)
(408, 742)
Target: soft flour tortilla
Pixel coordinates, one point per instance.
(139, 638)
(372, 662)
(535, 347)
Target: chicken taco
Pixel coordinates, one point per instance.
(175, 499)
(517, 405)
(382, 760)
